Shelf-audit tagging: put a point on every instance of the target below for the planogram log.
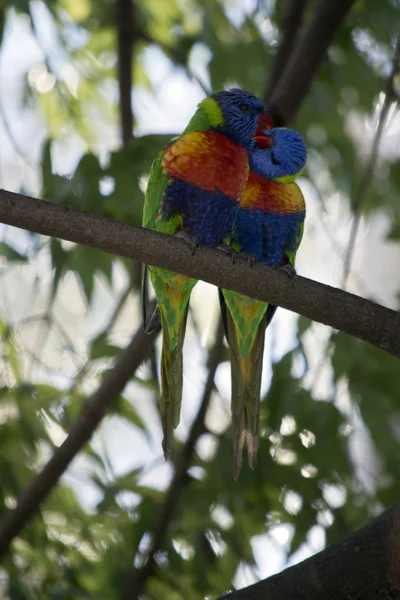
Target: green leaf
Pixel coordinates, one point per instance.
(100, 347)
(10, 254)
(86, 262)
(59, 258)
(124, 408)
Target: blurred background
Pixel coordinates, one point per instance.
(80, 123)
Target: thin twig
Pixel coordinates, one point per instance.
(178, 57)
(92, 412)
(137, 577)
(14, 144)
(114, 316)
(361, 193)
(359, 198)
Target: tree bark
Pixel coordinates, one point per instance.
(349, 313)
(291, 24)
(363, 566)
(126, 36)
(306, 57)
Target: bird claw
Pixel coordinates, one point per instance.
(189, 239)
(290, 271)
(250, 258)
(229, 251)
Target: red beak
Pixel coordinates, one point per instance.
(263, 141)
(265, 120)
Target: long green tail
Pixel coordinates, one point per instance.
(246, 388)
(173, 294)
(171, 379)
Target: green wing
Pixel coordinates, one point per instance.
(155, 192)
(292, 249)
(208, 115)
(172, 290)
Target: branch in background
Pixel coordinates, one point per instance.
(364, 565)
(11, 138)
(290, 26)
(128, 35)
(93, 411)
(80, 374)
(311, 47)
(361, 193)
(349, 313)
(390, 96)
(125, 32)
(137, 578)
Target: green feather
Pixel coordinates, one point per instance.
(207, 116)
(171, 379)
(154, 193)
(291, 251)
(245, 322)
(289, 178)
(172, 290)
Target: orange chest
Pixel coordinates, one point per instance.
(209, 161)
(266, 195)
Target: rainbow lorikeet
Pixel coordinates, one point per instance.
(194, 189)
(269, 226)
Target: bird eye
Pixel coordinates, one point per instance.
(244, 107)
(274, 160)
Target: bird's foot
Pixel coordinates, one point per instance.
(189, 239)
(229, 251)
(290, 271)
(250, 258)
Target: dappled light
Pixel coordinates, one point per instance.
(89, 508)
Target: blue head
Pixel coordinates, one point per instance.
(239, 111)
(279, 154)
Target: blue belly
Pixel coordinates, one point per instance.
(267, 235)
(208, 216)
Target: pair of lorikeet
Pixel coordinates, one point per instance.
(227, 180)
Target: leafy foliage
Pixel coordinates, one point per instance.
(313, 469)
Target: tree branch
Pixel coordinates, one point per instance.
(361, 193)
(349, 313)
(363, 565)
(290, 26)
(368, 173)
(93, 411)
(81, 373)
(125, 32)
(313, 42)
(137, 577)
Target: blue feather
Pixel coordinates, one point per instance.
(208, 216)
(287, 155)
(267, 235)
(240, 110)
